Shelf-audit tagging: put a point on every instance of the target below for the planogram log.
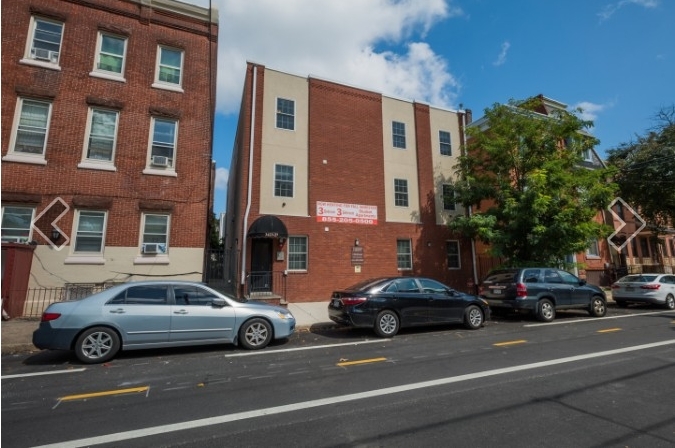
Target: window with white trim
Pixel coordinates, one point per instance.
(593, 248)
(283, 181)
(449, 198)
(398, 134)
(404, 254)
(285, 114)
(401, 192)
(297, 253)
(45, 43)
(16, 224)
(169, 67)
(452, 254)
(163, 145)
(110, 54)
(101, 135)
(30, 130)
(587, 155)
(90, 234)
(446, 143)
(155, 239)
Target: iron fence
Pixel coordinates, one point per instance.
(31, 303)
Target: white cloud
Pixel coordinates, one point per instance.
(501, 59)
(610, 9)
(222, 175)
(339, 40)
(590, 111)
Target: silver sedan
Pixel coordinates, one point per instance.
(139, 315)
(658, 289)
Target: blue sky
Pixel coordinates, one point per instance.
(613, 58)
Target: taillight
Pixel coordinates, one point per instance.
(521, 290)
(615, 286)
(656, 286)
(349, 301)
(481, 290)
(46, 317)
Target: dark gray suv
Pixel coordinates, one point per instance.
(541, 291)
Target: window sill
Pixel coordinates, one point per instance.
(108, 76)
(154, 172)
(42, 64)
(173, 88)
(83, 259)
(153, 259)
(592, 257)
(96, 166)
(20, 158)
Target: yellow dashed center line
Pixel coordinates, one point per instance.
(105, 393)
(506, 344)
(609, 330)
(363, 361)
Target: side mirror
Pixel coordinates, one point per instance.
(582, 282)
(219, 302)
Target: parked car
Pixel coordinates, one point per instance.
(390, 303)
(541, 291)
(658, 289)
(138, 315)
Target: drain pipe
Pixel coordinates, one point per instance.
(250, 176)
(470, 211)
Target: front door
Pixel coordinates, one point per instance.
(261, 265)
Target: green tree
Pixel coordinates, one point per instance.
(646, 172)
(533, 201)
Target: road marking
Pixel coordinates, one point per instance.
(561, 322)
(227, 418)
(609, 330)
(54, 372)
(287, 350)
(506, 344)
(363, 361)
(104, 393)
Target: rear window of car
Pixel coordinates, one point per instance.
(638, 278)
(366, 284)
(502, 276)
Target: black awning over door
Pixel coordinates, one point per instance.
(267, 226)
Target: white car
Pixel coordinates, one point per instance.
(658, 289)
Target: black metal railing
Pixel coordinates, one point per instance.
(265, 283)
(30, 303)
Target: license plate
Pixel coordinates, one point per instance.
(629, 288)
(496, 291)
(336, 303)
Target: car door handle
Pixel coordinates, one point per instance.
(180, 312)
(118, 311)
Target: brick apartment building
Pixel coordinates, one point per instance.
(331, 184)
(107, 117)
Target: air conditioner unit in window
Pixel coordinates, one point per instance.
(161, 161)
(154, 248)
(45, 55)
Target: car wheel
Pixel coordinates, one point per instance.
(255, 334)
(473, 317)
(386, 324)
(97, 344)
(598, 307)
(545, 310)
(670, 302)
(621, 304)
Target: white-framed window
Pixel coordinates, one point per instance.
(404, 254)
(155, 237)
(29, 132)
(283, 181)
(285, 114)
(398, 134)
(587, 155)
(101, 137)
(44, 42)
(16, 224)
(593, 248)
(169, 70)
(452, 254)
(163, 139)
(445, 142)
(401, 192)
(111, 53)
(297, 253)
(449, 198)
(90, 233)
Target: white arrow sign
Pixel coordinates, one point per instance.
(623, 224)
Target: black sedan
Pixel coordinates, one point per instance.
(390, 303)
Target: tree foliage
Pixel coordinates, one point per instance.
(646, 172)
(533, 201)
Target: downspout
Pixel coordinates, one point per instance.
(250, 176)
(470, 211)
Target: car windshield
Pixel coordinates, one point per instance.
(638, 278)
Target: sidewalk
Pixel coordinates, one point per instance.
(17, 334)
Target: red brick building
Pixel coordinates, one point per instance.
(331, 184)
(107, 116)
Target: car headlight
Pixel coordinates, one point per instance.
(284, 316)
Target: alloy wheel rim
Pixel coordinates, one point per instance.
(97, 345)
(256, 334)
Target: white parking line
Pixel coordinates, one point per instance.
(227, 418)
(53, 372)
(561, 322)
(287, 350)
